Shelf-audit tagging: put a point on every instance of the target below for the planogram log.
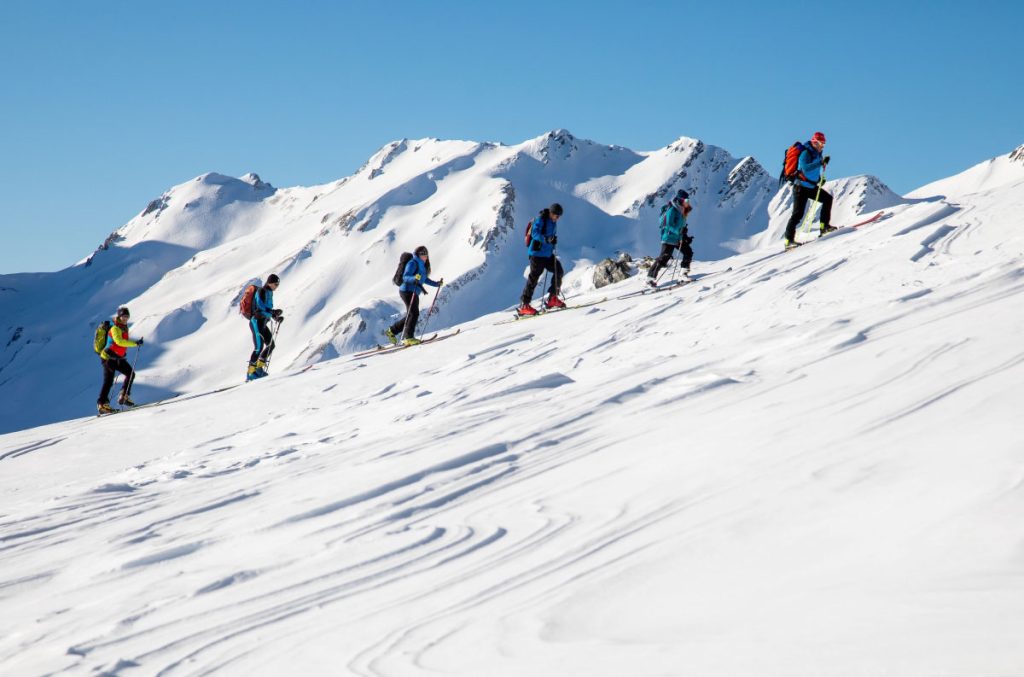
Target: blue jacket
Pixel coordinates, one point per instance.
(673, 223)
(263, 303)
(540, 232)
(810, 166)
(412, 269)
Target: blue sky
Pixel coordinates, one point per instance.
(103, 106)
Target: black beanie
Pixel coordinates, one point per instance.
(273, 278)
(555, 209)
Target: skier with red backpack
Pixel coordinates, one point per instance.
(803, 166)
(112, 344)
(674, 236)
(413, 272)
(257, 305)
(541, 238)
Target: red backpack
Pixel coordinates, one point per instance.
(245, 305)
(791, 163)
(529, 232)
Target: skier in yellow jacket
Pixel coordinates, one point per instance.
(114, 360)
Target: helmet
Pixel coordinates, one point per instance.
(682, 195)
(555, 209)
(421, 251)
(123, 312)
(273, 278)
(819, 137)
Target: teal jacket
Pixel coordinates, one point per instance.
(673, 223)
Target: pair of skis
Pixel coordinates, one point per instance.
(674, 284)
(840, 229)
(169, 400)
(387, 350)
(549, 311)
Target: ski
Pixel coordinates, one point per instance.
(840, 229)
(168, 400)
(542, 313)
(378, 349)
(387, 350)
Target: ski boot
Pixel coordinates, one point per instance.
(411, 341)
(825, 230)
(525, 310)
(792, 244)
(250, 374)
(554, 302)
(652, 283)
(391, 336)
(125, 401)
(104, 409)
(261, 369)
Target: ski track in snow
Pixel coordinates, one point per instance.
(680, 481)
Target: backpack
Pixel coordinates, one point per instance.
(403, 261)
(791, 163)
(245, 305)
(529, 232)
(99, 342)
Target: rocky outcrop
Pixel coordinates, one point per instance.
(610, 271)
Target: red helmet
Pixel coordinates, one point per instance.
(819, 137)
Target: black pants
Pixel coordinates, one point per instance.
(538, 264)
(407, 325)
(666, 255)
(262, 339)
(110, 368)
(801, 194)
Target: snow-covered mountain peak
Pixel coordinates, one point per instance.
(685, 144)
(1017, 155)
(187, 255)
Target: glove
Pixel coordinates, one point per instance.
(278, 314)
(440, 283)
(553, 239)
(689, 239)
(416, 277)
(279, 318)
(139, 342)
(535, 246)
(824, 163)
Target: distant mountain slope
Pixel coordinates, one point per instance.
(182, 262)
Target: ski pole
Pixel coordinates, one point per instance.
(431, 310)
(128, 386)
(555, 277)
(807, 216)
(273, 342)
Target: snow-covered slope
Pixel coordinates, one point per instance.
(1004, 170)
(801, 464)
(182, 262)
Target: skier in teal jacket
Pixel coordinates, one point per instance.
(674, 235)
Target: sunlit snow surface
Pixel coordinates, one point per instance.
(805, 463)
(808, 463)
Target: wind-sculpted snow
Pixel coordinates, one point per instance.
(802, 463)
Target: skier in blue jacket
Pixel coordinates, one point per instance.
(415, 275)
(263, 312)
(805, 188)
(673, 235)
(543, 238)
